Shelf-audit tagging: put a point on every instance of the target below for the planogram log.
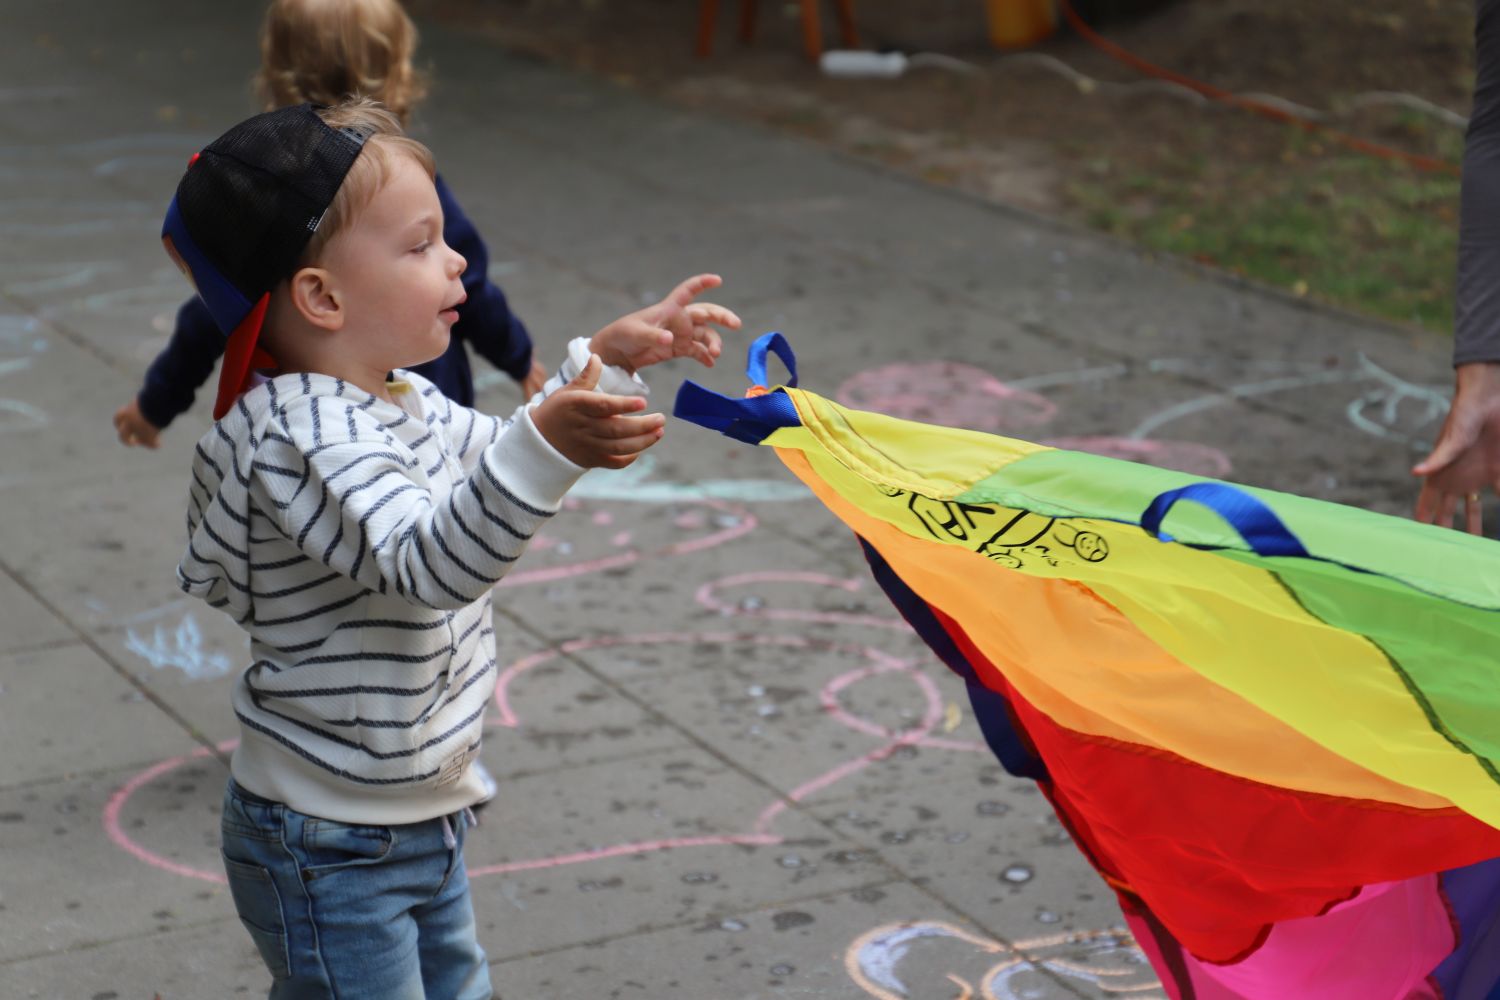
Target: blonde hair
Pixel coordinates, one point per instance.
(371, 168)
(327, 51)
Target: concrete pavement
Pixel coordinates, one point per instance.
(702, 792)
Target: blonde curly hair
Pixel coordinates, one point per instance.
(326, 51)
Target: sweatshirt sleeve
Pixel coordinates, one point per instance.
(1477, 307)
(470, 431)
(485, 321)
(183, 365)
(361, 506)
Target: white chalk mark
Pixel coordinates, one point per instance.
(183, 649)
(1070, 378)
(1387, 401)
(1207, 402)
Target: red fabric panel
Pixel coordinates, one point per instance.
(1218, 858)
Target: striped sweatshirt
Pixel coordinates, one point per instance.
(357, 541)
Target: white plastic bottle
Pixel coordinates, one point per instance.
(859, 63)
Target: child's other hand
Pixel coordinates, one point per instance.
(532, 383)
(133, 428)
(591, 428)
(676, 327)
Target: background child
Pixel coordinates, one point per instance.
(354, 522)
(322, 51)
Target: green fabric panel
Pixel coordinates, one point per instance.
(1448, 654)
(1436, 560)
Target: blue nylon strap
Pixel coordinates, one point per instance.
(1257, 524)
(748, 420)
(755, 360)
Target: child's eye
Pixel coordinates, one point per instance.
(421, 248)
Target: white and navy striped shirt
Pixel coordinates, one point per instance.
(357, 542)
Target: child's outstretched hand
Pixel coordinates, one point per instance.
(133, 428)
(676, 327)
(592, 429)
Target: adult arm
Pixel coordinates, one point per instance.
(1465, 460)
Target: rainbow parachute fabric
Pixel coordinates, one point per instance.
(1271, 723)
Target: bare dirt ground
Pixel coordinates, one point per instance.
(1065, 129)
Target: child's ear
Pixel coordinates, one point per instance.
(317, 298)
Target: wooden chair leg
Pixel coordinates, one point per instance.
(708, 11)
(846, 23)
(747, 21)
(812, 34)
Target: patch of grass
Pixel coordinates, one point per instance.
(1368, 234)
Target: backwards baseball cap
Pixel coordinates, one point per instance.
(242, 216)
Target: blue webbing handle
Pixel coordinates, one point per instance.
(749, 420)
(1257, 524)
(755, 359)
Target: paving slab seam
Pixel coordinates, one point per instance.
(39, 647)
(581, 764)
(38, 312)
(712, 917)
(86, 946)
(129, 677)
(867, 852)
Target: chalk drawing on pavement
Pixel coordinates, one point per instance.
(180, 648)
(908, 961)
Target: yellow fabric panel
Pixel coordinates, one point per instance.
(1089, 664)
(935, 461)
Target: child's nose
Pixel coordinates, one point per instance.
(457, 265)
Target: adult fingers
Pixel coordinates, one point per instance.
(1473, 514)
(1456, 437)
(1447, 503)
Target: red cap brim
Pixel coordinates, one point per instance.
(239, 357)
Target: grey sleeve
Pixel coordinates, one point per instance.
(1476, 334)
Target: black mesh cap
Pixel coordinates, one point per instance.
(252, 199)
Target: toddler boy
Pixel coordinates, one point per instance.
(353, 521)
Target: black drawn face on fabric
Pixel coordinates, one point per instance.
(1003, 535)
(1090, 546)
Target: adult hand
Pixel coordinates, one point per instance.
(1466, 458)
(593, 429)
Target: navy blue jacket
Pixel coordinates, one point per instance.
(484, 321)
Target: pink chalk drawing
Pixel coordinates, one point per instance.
(728, 522)
(945, 392)
(759, 832)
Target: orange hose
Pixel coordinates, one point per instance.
(1429, 163)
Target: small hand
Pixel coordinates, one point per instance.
(676, 327)
(591, 428)
(133, 428)
(1466, 458)
(532, 382)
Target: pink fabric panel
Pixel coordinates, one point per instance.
(1380, 945)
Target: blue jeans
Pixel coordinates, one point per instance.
(346, 912)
